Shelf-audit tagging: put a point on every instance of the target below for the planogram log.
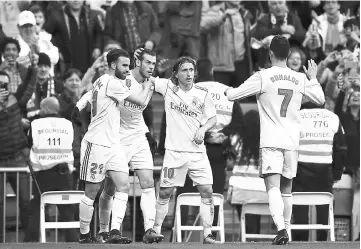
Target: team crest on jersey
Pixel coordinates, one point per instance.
(197, 103)
(128, 82)
(175, 89)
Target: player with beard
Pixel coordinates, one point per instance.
(101, 151)
(134, 134)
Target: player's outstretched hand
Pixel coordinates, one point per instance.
(75, 116)
(138, 52)
(152, 143)
(311, 72)
(199, 137)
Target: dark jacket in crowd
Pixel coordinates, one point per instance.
(12, 137)
(352, 132)
(2, 37)
(265, 28)
(59, 26)
(148, 26)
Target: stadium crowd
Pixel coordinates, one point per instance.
(55, 50)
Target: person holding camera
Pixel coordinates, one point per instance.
(14, 152)
(51, 158)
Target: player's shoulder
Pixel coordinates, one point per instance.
(200, 88)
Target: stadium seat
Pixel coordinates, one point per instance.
(258, 209)
(314, 199)
(54, 198)
(194, 199)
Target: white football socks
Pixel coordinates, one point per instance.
(276, 207)
(118, 210)
(85, 214)
(287, 212)
(148, 204)
(105, 208)
(206, 211)
(161, 212)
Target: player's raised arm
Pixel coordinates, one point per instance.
(251, 86)
(83, 102)
(313, 89)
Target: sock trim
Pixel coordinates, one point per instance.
(105, 196)
(148, 190)
(121, 196)
(207, 201)
(161, 201)
(87, 201)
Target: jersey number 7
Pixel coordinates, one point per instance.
(286, 100)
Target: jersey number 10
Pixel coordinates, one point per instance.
(286, 100)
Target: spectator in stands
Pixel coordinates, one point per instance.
(329, 25)
(67, 100)
(227, 28)
(33, 44)
(2, 37)
(10, 49)
(278, 21)
(320, 162)
(46, 87)
(51, 174)
(296, 59)
(352, 33)
(9, 13)
(39, 16)
(350, 120)
(347, 71)
(71, 94)
(304, 10)
(14, 152)
(77, 33)
(182, 29)
(132, 24)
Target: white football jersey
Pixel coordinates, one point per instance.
(132, 125)
(107, 94)
(185, 113)
(223, 106)
(279, 95)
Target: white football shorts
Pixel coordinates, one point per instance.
(96, 160)
(176, 165)
(138, 155)
(278, 161)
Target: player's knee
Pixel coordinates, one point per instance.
(91, 190)
(165, 193)
(123, 187)
(272, 181)
(206, 191)
(110, 191)
(147, 183)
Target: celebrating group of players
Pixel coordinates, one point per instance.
(116, 138)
